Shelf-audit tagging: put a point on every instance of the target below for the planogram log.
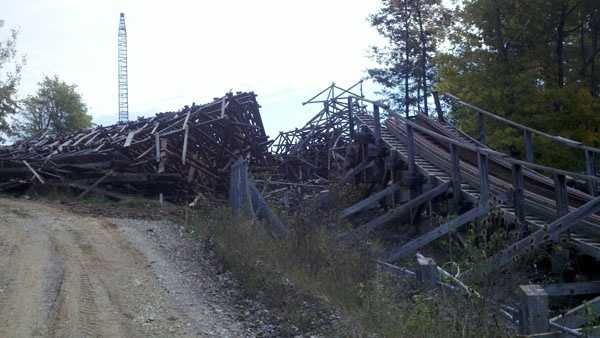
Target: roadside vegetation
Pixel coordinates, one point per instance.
(320, 285)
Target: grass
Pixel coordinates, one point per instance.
(312, 267)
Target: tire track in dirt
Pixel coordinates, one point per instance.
(64, 275)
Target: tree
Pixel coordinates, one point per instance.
(10, 74)
(56, 107)
(532, 61)
(413, 28)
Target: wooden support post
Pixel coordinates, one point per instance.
(518, 196)
(438, 106)
(528, 146)
(484, 185)
(377, 127)
(427, 272)
(560, 190)
(456, 179)
(157, 145)
(185, 144)
(591, 170)
(350, 118)
(481, 124)
(534, 309)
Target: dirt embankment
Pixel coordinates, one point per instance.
(67, 275)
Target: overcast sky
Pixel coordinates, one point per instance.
(191, 51)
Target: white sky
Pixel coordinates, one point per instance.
(191, 51)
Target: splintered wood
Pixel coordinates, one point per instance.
(180, 154)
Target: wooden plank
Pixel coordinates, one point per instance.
(39, 178)
(356, 170)
(365, 203)
(157, 145)
(481, 126)
(561, 195)
(129, 138)
(580, 315)
(484, 184)
(93, 186)
(262, 210)
(436, 233)
(375, 223)
(566, 141)
(533, 241)
(185, 143)
(571, 289)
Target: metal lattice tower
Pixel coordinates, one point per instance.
(123, 87)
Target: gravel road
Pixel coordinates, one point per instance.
(68, 275)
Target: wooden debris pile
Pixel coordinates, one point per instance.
(185, 155)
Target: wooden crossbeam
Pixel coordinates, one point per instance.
(356, 170)
(93, 186)
(436, 233)
(375, 223)
(365, 203)
(39, 178)
(535, 240)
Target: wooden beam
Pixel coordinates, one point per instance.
(356, 170)
(93, 186)
(579, 315)
(533, 241)
(484, 184)
(365, 203)
(185, 143)
(561, 195)
(39, 178)
(436, 233)
(375, 223)
(529, 155)
(481, 126)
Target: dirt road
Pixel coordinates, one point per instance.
(67, 275)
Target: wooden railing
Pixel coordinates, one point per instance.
(591, 154)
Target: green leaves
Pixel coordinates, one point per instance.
(56, 107)
(10, 74)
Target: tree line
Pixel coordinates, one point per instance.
(56, 107)
(534, 61)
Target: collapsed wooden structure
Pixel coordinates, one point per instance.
(183, 155)
(440, 163)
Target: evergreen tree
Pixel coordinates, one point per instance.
(413, 29)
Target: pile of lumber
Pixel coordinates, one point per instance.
(184, 155)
